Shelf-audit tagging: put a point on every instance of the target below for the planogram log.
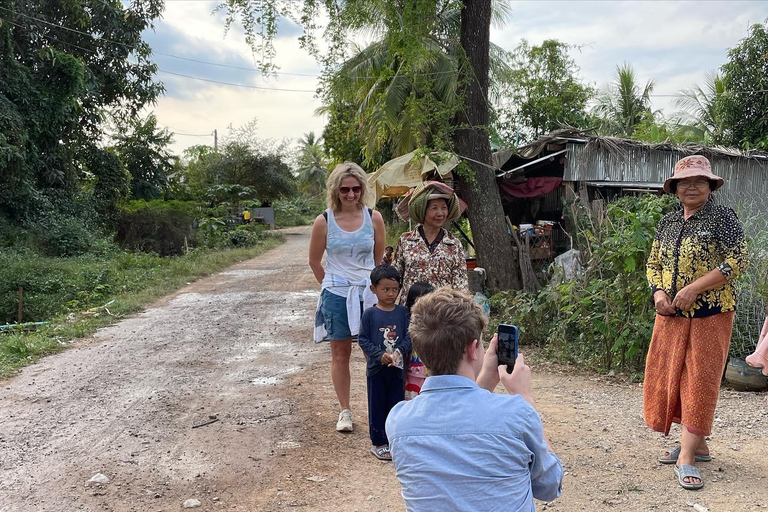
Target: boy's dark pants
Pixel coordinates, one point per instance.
(385, 389)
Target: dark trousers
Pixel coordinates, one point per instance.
(385, 389)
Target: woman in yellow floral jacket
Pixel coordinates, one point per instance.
(696, 255)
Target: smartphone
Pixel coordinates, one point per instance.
(507, 348)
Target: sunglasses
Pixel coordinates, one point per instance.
(345, 190)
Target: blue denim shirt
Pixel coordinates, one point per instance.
(457, 446)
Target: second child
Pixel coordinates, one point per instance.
(384, 339)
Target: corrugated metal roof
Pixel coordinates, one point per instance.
(746, 179)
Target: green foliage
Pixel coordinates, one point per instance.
(702, 109)
(745, 101)
(312, 165)
(603, 318)
(298, 211)
(622, 104)
(143, 149)
(162, 227)
(266, 175)
(544, 93)
(63, 237)
(56, 290)
(56, 86)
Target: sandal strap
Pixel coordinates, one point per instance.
(688, 471)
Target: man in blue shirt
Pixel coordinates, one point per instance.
(458, 445)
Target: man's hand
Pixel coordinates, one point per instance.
(386, 359)
(663, 303)
(519, 381)
(489, 377)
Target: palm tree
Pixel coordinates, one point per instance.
(407, 99)
(701, 108)
(312, 164)
(621, 105)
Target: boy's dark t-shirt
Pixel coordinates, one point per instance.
(383, 331)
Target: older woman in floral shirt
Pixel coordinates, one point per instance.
(696, 255)
(429, 254)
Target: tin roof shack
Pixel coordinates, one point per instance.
(602, 168)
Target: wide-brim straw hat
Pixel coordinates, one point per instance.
(693, 166)
(414, 205)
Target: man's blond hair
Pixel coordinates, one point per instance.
(442, 324)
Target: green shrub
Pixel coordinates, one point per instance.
(602, 319)
(63, 237)
(162, 227)
(298, 211)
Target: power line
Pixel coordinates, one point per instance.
(234, 84)
(55, 25)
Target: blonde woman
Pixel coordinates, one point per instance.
(353, 239)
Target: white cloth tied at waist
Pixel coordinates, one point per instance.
(354, 293)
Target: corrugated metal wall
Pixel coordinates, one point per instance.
(746, 179)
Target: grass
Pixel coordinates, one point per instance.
(144, 279)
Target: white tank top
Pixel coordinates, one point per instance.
(349, 255)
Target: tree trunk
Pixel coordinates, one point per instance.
(486, 216)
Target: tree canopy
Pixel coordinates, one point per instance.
(543, 94)
(65, 66)
(745, 102)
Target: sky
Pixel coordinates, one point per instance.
(673, 43)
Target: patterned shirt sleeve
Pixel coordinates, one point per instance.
(734, 245)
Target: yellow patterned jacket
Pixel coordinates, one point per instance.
(685, 250)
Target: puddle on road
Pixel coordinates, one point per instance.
(245, 273)
(275, 375)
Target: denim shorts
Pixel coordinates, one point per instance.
(334, 310)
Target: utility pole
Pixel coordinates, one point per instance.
(215, 141)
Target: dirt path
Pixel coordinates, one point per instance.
(234, 350)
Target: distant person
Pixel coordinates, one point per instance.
(458, 445)
(389, 253)
(415, 372)
(695, 257)
(353, 238)
(431, 253)
(384, 339)
(246, 215)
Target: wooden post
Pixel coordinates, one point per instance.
(21, 302)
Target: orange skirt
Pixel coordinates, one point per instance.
(683, 371)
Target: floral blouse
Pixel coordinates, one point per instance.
(685, 250)
(445, 266)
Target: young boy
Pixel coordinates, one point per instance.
(384, 339)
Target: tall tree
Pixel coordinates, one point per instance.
(467, 124)
(702, 108)
(544, 93)
(312, 165)
(63, 65)
(622, 104)
(486, 215)
(745, 103)
(143, 148)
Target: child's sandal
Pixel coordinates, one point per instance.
(381, 452)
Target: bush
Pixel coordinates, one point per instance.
(63, 237)
(604, 318)
(163, 227)
(298, 211)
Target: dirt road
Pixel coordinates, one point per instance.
(217, 394)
